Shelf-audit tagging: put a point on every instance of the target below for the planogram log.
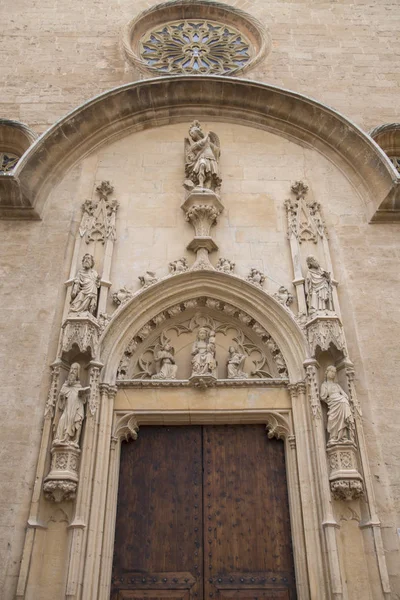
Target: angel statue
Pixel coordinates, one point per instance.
(235, 364)
(164, 356)
(202, 152)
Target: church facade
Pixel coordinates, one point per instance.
(200, 219)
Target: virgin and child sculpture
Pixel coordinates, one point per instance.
(203, 353)
(202, 152)
(85, 288)
(340, 417)
(71, 401)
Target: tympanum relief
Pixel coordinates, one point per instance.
(201, 348)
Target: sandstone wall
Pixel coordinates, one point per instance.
(57, 55)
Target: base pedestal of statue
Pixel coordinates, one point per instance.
(323, 329)
(81, 330)
(346, 483)
(61, 483)
(203, 197)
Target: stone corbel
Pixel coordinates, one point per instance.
(279, 427)
(202, 208)
(82, 331)
(324, 330)
(344, 478)
(61, 483)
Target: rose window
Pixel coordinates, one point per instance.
(195, 46)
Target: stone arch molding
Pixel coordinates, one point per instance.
(161, 101)
(242, 301)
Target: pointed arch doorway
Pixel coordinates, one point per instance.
(203, 513)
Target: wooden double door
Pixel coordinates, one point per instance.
(203, 514)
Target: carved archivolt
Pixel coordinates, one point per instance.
(191, 339)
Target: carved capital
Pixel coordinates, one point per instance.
(125, 428)
(297, 389)
(108, 390)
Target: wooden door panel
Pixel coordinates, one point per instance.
(272, 594)
(158, 540)
(247, 536)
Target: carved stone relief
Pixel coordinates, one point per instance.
(256, 277)
(148, 279)
(121, 296)
(284, 296)
(99, 217)
(219, 348)
(178, 266)
(225, 265)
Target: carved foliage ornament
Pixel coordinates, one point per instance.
(8, 160)
(195, 47)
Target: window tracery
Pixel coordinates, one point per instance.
(195, 46)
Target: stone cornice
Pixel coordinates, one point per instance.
(172, 99)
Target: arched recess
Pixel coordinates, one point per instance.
(160, 101)
(265, 310)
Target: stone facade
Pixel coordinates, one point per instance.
(342, 54)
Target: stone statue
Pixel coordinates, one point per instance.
(202, 152)
(71, 402)
(85, 287)
(165, 357)
(235, 364)
(340, 418)
(178, 266)
(203, 353)
(318, 287)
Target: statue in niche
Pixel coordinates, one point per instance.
(71, 402)
(178, 266)
(340, 417)
(235, 364)
(202, 152)
(318, 287)
(164, 356)
(85, 287)
(203, 353)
